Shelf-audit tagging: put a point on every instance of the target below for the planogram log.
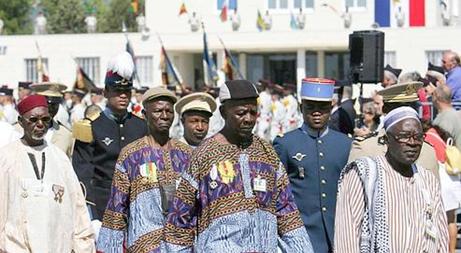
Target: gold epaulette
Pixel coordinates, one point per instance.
(81, 130)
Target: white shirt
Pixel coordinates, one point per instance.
(46, 213)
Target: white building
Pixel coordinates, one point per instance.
(281, 54)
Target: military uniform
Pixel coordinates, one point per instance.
(100, 139)
(94, 159)
(314, 161)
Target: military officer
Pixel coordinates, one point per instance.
(23, 90)
(404, 94)
(100, 139)
(314, 156)
(58, 133)
(195, 111)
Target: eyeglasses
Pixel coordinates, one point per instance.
(34, 120)
(405, 138)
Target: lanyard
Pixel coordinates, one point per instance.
(34, 164)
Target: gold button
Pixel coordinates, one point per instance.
(323, 181)
(322, 167)
(321, 154)
(324, 195)
(324, 209)
(319, 141)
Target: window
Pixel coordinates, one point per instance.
(278, 68)
(389, 58)
(90, 66)
(435, 56)
(145, 70)
(356, 3)
(277, 4)
(32, 71)
(231, 4)
(337, 65)
(305, 4)
(311, 64)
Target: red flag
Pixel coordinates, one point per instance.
(223, 14)
(182, 9)
(417, 13)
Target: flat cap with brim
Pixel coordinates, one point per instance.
(5, 91)
(392, 70)
(48, 89)
(157, 92)
(237, 89)
(317, 89)
(401, 93)
(199, 101)
(24, 85)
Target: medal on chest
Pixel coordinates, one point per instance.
(58, 192)
(149, 171)
(213, 177)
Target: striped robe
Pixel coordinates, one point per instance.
(405, 208)
(133, 218)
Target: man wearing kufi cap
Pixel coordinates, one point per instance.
(42, 208)
(23, 90)
(58, 133)
(387, 202)
(100, 139)
(195, 111)
(314, 155)
(235, 195)
(372, 145)
(145, 178)
(8, 111)
(391, 76)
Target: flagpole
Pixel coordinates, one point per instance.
(231, 58)
(132, 56)
(176, 77)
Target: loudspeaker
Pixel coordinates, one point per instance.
(366, 56)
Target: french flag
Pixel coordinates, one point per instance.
(400, 13)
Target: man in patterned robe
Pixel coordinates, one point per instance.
(235, 195)
(145, 179)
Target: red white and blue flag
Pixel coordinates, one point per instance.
(400, 13)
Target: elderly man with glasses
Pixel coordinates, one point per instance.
(388, 203)
(42, 208)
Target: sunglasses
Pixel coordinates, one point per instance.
(34, 120)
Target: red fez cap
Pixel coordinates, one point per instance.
(31, 102)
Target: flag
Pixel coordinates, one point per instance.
(41, 67)
(417, 13)
(230, 66)
(83, 82)
(130, 50)
(209, 67)
(223, 14)
(182, 9)
(389, 13)
(293, 23)
(260, 22)
(169, 74)
(134, 6)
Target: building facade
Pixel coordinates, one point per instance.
(306, 38)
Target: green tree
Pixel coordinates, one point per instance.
(64, 16)
(16, 16)
(120, 11)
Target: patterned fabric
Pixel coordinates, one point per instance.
(400, 214)
(218, 206)
(134, 218)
